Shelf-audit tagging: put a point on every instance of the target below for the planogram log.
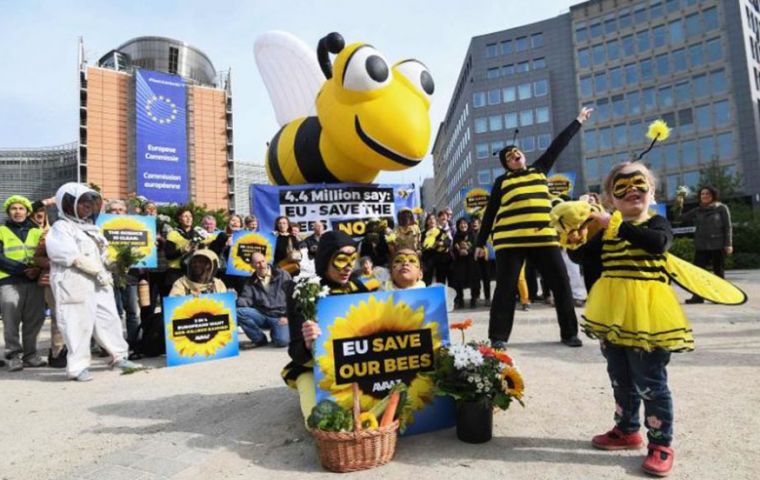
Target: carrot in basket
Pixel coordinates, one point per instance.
(390, 410)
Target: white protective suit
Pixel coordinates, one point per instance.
(80, 282)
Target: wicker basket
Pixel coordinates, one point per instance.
(357, 450)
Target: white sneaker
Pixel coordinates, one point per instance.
(125, 364)
(84, 376)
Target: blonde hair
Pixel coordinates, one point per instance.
(617, 168)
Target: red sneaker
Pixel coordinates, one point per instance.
(617, 439)
(659, 460)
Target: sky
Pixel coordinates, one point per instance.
(38, 61)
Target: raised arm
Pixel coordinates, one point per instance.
(546, 161)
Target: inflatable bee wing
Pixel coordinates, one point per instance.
(291, 74)
(703, 283)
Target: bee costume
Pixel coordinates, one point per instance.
(342, 123)
(637, 272)
(517, 218)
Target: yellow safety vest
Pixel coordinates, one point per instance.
(15, 249)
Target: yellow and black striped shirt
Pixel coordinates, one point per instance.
(518, 209)
(523, 216)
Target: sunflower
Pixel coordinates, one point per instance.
(127, 224)
(512, 382)
(254, 241)
(370, 318)
(205, 343)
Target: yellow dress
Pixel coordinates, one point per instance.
(633, 304)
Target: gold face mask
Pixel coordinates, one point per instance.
(343, 260)
(401, 259)
(625, 182)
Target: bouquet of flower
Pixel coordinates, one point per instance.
(474, 371)
(126, 257)
(306, 292)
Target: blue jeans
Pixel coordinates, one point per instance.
(126, 301)
(253, 323)
(638, 375)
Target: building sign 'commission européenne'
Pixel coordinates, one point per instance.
(161, 140)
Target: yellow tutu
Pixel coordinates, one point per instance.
(637, 313)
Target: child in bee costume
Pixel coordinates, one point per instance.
(634, 312)
(81, 283)
(517, 217)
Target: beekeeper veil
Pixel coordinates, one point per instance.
(78, 202)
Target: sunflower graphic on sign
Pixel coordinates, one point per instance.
(476, 201)
(244, 245)
(375, 317)
(131, 231)
(199, 327)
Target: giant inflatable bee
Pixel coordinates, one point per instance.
(367, 116)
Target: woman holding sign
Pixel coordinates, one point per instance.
(333, 262)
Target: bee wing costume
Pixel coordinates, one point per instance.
(81, 284)
(646, 313)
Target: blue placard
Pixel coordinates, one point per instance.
(161, 137)
(200, 328)
(137, 231)
(378, 339)
(340, 203)
(244, 243)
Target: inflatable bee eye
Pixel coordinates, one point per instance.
(366, 69)
(418, 74)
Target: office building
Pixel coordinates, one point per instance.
(156, 120)
(693, 63)
(36, 173)
(247, 174)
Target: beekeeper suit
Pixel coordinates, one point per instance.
(81, 284)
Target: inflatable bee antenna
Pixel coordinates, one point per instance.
(514, 136)
(658, 130)
(331, 43)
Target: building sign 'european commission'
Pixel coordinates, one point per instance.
(161, 143)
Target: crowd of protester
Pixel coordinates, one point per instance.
(425, 249)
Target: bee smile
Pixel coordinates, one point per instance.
(382, 149)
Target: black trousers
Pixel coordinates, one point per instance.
(703, 258)
(548, 262)
(481, 274)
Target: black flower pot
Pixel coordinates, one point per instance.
(475, 421)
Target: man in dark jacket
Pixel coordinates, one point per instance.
(22, 301)
(261, 304)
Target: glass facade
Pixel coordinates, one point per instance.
(663, 60)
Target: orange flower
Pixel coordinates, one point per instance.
(502, 357)
(461, 325)
(487, 352)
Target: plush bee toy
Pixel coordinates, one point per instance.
(368, 115)
(573, 222)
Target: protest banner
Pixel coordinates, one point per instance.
(137, 231)
(561, 184)
(379, 339)
(344, 206)
(200, 328)
(244, 244)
